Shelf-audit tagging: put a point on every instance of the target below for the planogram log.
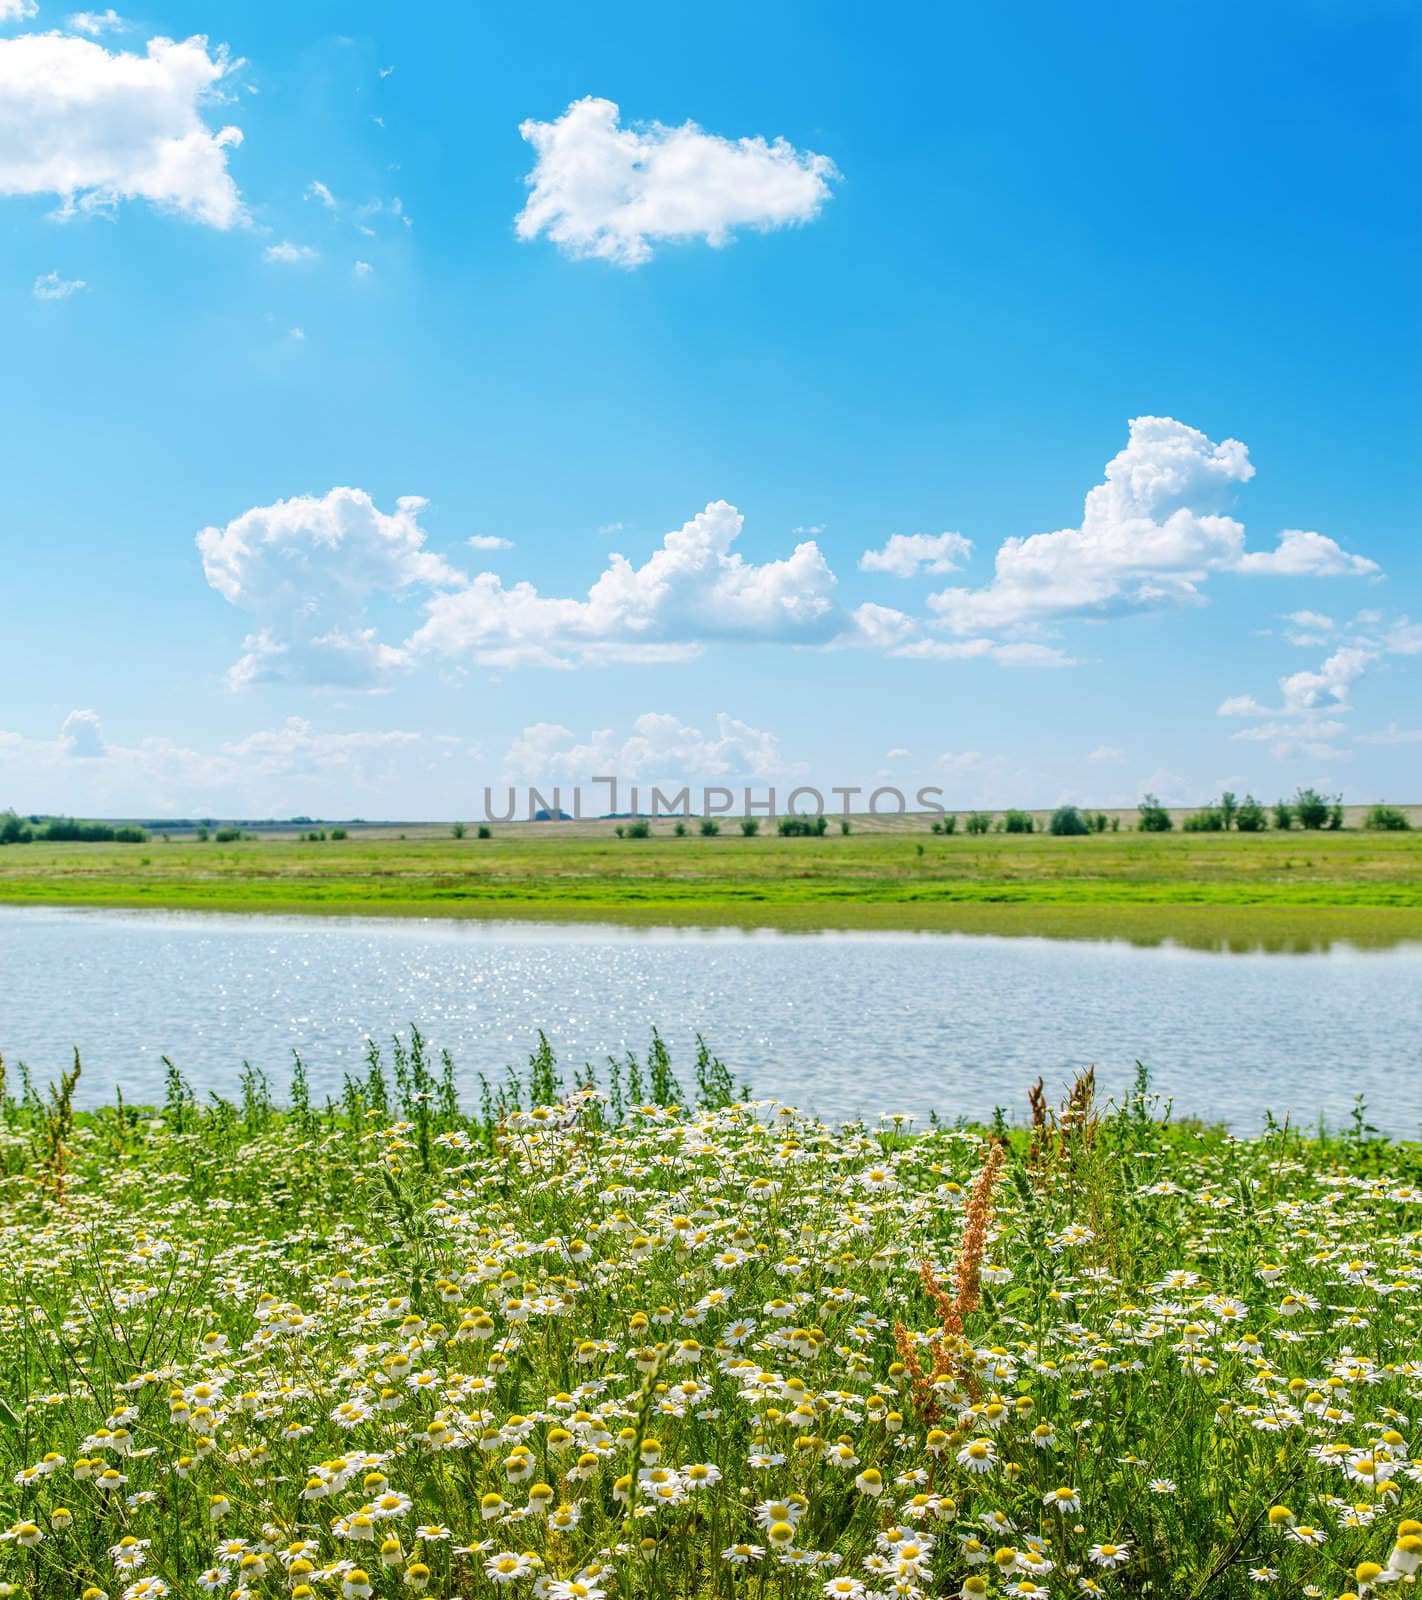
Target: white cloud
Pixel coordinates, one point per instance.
(1106, 755)
(601, 190)
(17, 10)
(1309, 736)
(1022, 654)
(1318, 727)
(1301, 554)
(95, 23)
(1304, 691)
(898, 754)
(1392, 734)
(97, 127)
(906, 554)
(289, 253)
(660, 748)
(1150, 536)
(1403, 638)
(488, 541)
(1306, 722)
(692, 589)
(1308, 628)
(316, 190)
(52, 287)
(290, 769)
(1242, 705)
(81, 735)
(879, 627)
(296, 750)
(362, 269)
(306, 569)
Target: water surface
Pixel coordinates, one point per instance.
(844, 1024)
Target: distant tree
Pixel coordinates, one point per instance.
(485, 832)
(14, 829)
(639, 829)
(1098, 822)
(844, 825)
(709, 827)
(201, 835)
(1229, 808)
(340, 833)
(1210, 819)
(1386, 819)
(1335, 814)
(1154, 818)
(978, 822)
(1250, 817)
(1017, 822)
(1310, 808)
(619, 830)
(680, 830)
(1066, 821)
(457, 831)
(799, 827)
(750, 826)
(1283, 815)
(950, 822)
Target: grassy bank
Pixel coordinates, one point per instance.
(1208, 888)
(641, 1347)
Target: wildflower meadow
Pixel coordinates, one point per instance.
(648, 1342)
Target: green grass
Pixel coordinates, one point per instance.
(378, 1347)
(1273, 889)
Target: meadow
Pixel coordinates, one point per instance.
(655, 1342)
(1280, 888)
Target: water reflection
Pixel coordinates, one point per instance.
(844, 1024)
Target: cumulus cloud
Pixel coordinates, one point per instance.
(601, 190)
(1331, 683)
(81, 735)
(488, 541)
(96, 127)
(52, 287)
(306, 569)
(17, 10)
(660, 748)
(1304, 693)
(1301, 554)
(1106, 755)
(904, 555)
(1150, 536)
(879, 627)
(288, 253)
(691, 590)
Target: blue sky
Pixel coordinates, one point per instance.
(990, 239)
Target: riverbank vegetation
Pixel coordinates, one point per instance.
(643, 1341)
(1212, 887)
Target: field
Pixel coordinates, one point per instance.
(635, 1347)
(1277, 889)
